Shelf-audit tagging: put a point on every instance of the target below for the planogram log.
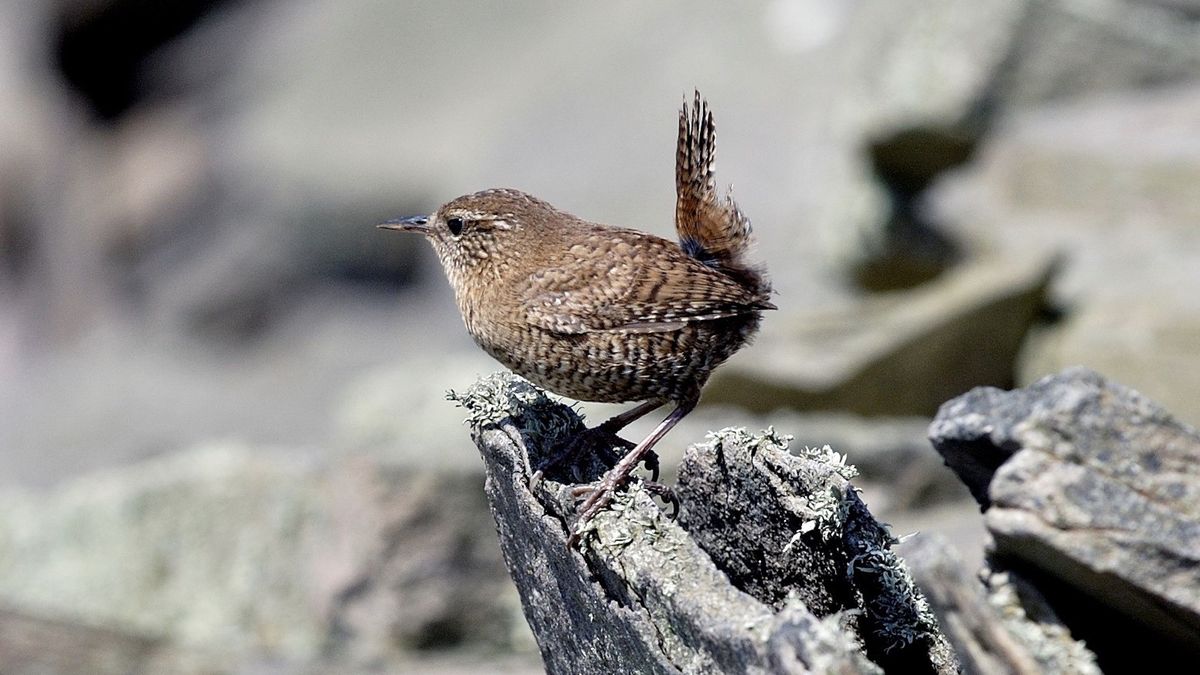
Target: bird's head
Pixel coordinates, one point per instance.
(485, 228)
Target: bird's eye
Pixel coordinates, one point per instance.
(455, 225)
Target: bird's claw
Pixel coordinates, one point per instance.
(666, 494)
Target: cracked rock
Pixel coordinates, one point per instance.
(1092, 494)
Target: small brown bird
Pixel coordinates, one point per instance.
(602, 313)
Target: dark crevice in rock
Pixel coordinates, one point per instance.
(975, 464)
(1120, 646)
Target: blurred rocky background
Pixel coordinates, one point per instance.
(224, 446)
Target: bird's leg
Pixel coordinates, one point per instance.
(617, 476)
(599, 439)
(619, 422)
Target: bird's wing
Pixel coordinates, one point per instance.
(632, 284)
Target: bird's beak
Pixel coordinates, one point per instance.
(410, 224)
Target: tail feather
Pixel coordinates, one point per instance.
(711, 230)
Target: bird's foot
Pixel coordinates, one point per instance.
(595, 496)
(666, 494)
(661, 490)
(619, 474)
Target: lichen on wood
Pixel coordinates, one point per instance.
(650, 594)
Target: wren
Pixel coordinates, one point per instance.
(602, 313)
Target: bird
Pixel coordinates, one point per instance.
(603, 313)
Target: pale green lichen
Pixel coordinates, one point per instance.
(739, 437)
(831, 458)
(626, 520)
(901, 612)
(498, 397)
(771, 439)
(827, 511)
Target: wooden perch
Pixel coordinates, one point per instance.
(774, 564)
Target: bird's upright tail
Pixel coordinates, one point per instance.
(711, 230)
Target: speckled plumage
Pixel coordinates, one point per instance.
(602, 313)
(589, 311)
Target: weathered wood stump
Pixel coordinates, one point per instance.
(773, 565)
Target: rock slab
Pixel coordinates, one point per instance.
(245, 553)
(1092, 492)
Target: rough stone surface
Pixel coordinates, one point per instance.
(404, 563)
(905, 353)
(242, 551)
(990, 626)
(1091, 492)
(892, 453)
(644, 596)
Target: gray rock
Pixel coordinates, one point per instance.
(155, 548)
(1090, 491)
(988, 623)
(246, 551)
(943, 75)
(903, 354)
(644, 595)
(37, 645)
(412, 566)
(1071, 177)
(33, 645)
(784, 526)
